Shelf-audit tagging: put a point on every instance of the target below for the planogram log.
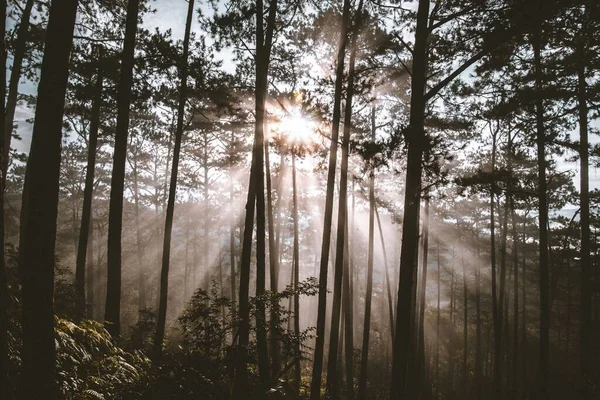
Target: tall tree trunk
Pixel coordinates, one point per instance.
(421, 365)
(256, 197)
(186, 264)
(524, 317)
(38, 373)
(296, 278)
(315, 386)
(166, 258)
(584, 200)
(13, 86)
(88, 192)
(364, 360)
(5, 392)
(496, 313)
(387, 276)
(543, 215)
(115, 218)
(451, 342)
(341, 261)
(438, 320)
(91, 274)
(502, 298)
(515, 264)
(465, 377)
(274, 321)
(412, 199)
(232, 272)
(207, 219)
(138, 236)
(348, 312)
(478, 352)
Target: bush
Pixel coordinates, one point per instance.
(91, 366)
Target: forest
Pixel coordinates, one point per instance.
(300, 199)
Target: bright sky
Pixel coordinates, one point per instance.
(171, 14)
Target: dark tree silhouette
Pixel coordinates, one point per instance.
(43, 169)
(112, 314)
(164, 273)
(86, 212)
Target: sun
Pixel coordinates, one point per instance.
(297, 128)
(293, 126)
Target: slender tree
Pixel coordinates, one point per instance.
(43, 169)
(478, 351)
(341, 262)
(420, 365)
(315, 386)
(86, 212)
(388, 285)
(584, 199)
(364, 359)
(542, 207)
(166, 258)
(4, 368)
(273, 269)
(410, 233)
(112, 314)
(296, 272)
(496, 314)
(256, 198)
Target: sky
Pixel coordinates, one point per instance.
(171, 14)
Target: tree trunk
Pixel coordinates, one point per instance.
(91, 274)
(315, 386)
(348, 313)
(412, 199)
(387, 276)
(502, 299)
(88, 192)
(166, 258)
(275, 347)
(451, 342)
(524, 319)
(138, 235)
(297, 377)
(341, 261)
(437, 323)
(421, 365)
(256, 196)
(5, 392)
(478, 352)
(38, 374)
(515, 262)
(13, 86)
(584, 199)
(465, 376)
(232, 272)
(364, 360)
(496, 313)
(207, 219)
(543, 216)
(115, 218)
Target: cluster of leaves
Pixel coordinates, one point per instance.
(206, 322)
(90, 365)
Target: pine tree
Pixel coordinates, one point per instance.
(112, 317)
(164, 274)
(41, 205)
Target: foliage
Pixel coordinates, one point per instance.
(91, 366)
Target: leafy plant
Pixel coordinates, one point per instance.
(91, 366)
